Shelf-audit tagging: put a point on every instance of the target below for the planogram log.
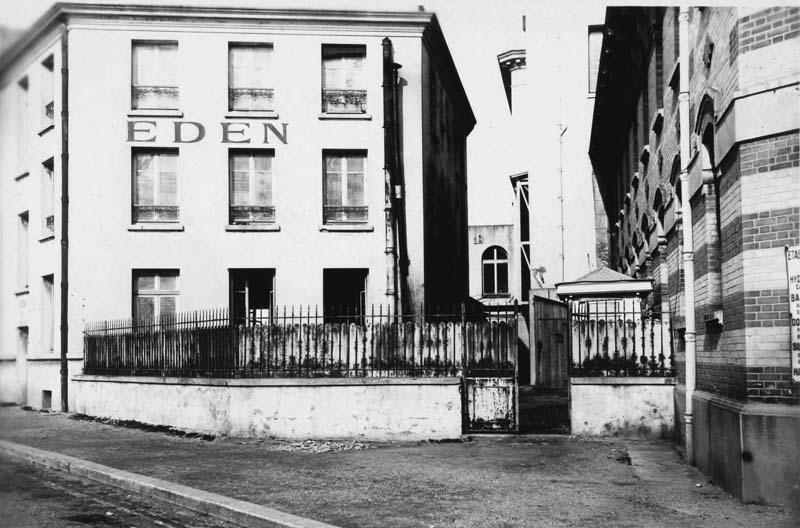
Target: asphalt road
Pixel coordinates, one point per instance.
(37, 498)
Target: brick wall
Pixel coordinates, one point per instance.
(767, 27)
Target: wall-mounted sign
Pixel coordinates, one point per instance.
(230, 132)
(793, 272)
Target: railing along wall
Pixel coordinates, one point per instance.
(613, 339)
(298, 343)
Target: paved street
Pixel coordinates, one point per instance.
(40, 498)
(527, 480)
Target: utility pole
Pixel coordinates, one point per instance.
(562, 130)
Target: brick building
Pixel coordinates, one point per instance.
(699, 109)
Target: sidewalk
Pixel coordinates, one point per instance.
(489, 481)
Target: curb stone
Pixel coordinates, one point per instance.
(215, 505)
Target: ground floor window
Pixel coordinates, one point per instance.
(48, 314)
(344, 293)
(252, 295)
(155, 294)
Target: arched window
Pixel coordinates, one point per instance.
(495, 271)
(658, 210)
(675, 181)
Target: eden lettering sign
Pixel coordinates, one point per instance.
(231, 132)
(793, 272)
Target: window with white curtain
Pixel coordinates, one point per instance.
(251, 186)
(155, 294)
(155, 185)
(154, 77)
(344, 87)
(48, 314)
(48, 197)
(344, 187)
(250, 85)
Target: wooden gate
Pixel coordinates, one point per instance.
(549, 334)
(491, 397)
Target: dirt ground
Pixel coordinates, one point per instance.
(509, 481)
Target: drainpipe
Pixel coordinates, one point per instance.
(64, 299)
(388, 168)
(688, 239)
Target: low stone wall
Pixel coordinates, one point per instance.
(750, 449)
(8, 380)
(363, 408)
(631, 407)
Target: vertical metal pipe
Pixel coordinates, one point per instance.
(688, 239)
(389, 92)
(64, 300)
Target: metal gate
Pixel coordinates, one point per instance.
(490, 391)
(550, 337)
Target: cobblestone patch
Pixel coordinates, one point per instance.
(314, 446)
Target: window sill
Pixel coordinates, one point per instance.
(358, 117)
(155, 112)
(255, 114)
(496, 295)
(21, 176)
(49, 236)
(156, 226)
(47, 129)
(253, 227)
(23, 291)
(354, 228)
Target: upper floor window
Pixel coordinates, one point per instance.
(249, 81)
(595, 47)
(155, 294)
(47, 91)
(495, 271)
(251, 187)
(22, 123)
(22, 251)
(344, 87)
(48, 197)
(155, 185)
(154, 79)
(344, 187)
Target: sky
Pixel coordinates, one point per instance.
(476, 32)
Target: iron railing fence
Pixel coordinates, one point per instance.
(303, 342)
(609, 339)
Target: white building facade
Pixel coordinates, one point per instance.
(223, 157)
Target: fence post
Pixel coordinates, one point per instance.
(464, 387)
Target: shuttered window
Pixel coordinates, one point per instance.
(155, 84)
(344, 187)
(155, 294)
(249, 78)
(251, 186)
(155, 185)
(344, 87)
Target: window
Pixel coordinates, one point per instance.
(155, 185)
(48, 314)
(48, 193)
(249, 77)
(22, 251)
(251, 187)
(47, 91)
(595, 47)
(22, 124)
(252, 295)
(155, 294)
(343, 80)
(344, 188)
(495, 271)
(154, 79)
(344, 293)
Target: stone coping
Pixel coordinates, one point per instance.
(267, 382)
(740, 407)
(624, 380)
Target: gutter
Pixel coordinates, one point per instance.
(64, 298)
(389, 165)
(688, 238)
